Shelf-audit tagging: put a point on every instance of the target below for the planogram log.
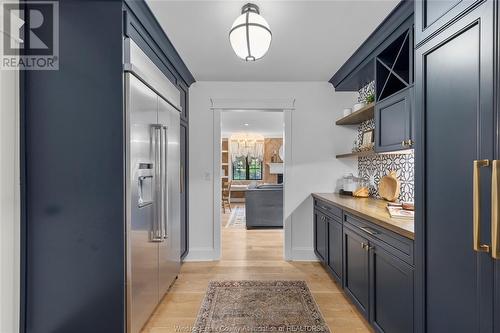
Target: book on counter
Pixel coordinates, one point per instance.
(397, 211)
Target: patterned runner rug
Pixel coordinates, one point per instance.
(259, 306)
(237, 218)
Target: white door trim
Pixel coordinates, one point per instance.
(265, 105)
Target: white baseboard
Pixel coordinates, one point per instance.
(303, 254)
(201, 254)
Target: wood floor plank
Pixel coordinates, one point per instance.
(251, 255)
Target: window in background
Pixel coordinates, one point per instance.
(247, 169)
(240, 169)
(254, 169)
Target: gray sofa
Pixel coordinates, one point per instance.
(264, 206)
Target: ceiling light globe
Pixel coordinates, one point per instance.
(250, 35)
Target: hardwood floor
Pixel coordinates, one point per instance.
(251, 255)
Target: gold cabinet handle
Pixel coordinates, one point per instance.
(495, 218)
(476, 205)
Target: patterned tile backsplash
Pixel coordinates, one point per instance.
(374, 167)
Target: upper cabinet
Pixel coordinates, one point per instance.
(393, 122)
(394, 66)
(385, 58)
(434, 15)
(393, 91)
(358, 70)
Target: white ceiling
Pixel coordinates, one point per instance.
(311, 39)
(266, 123)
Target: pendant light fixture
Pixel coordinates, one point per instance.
(250, 35)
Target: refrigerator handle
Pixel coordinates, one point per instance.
(156, 235)
(476, 205)
(495, 217)
(165, 183)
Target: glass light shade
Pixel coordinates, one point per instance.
(250, 36)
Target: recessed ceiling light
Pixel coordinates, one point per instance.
(246, 124)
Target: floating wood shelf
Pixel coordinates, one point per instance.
(357, 117)
(356, 154)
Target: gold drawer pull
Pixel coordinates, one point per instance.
(476, 205)
(495, 218)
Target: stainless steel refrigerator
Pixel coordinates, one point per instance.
(152, 106)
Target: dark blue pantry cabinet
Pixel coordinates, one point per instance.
(373, 265)
(72, 158)
(456, 184)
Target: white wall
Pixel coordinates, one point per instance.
(315, 140)
(9, 202)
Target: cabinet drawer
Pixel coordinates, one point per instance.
(329, 209)
(403, 247)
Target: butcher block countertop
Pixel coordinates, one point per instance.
(372, 210)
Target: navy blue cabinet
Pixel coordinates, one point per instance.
(73, 216)
(335, 247)
(184, 139)
(321, 236)
(373, 264)
(454, 89)
(184, 168)
(184, 101)
(431, 16)
(392, 301)
(393, 122)
(356, 269)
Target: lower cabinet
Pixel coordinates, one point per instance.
(373, 265)
(391, 309)
(321, 236)
(335, 247)
(356, 270)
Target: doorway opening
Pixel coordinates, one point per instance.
(251, 165)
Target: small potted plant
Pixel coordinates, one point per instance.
(370, 98)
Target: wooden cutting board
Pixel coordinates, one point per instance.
(389, 187)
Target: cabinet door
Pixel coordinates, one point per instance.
(356, 278)
(320, 236)
(454, 89)
(432, 15)
(393, 122)
(335, 247)
(391, 308)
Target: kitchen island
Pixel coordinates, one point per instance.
(370, 255)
